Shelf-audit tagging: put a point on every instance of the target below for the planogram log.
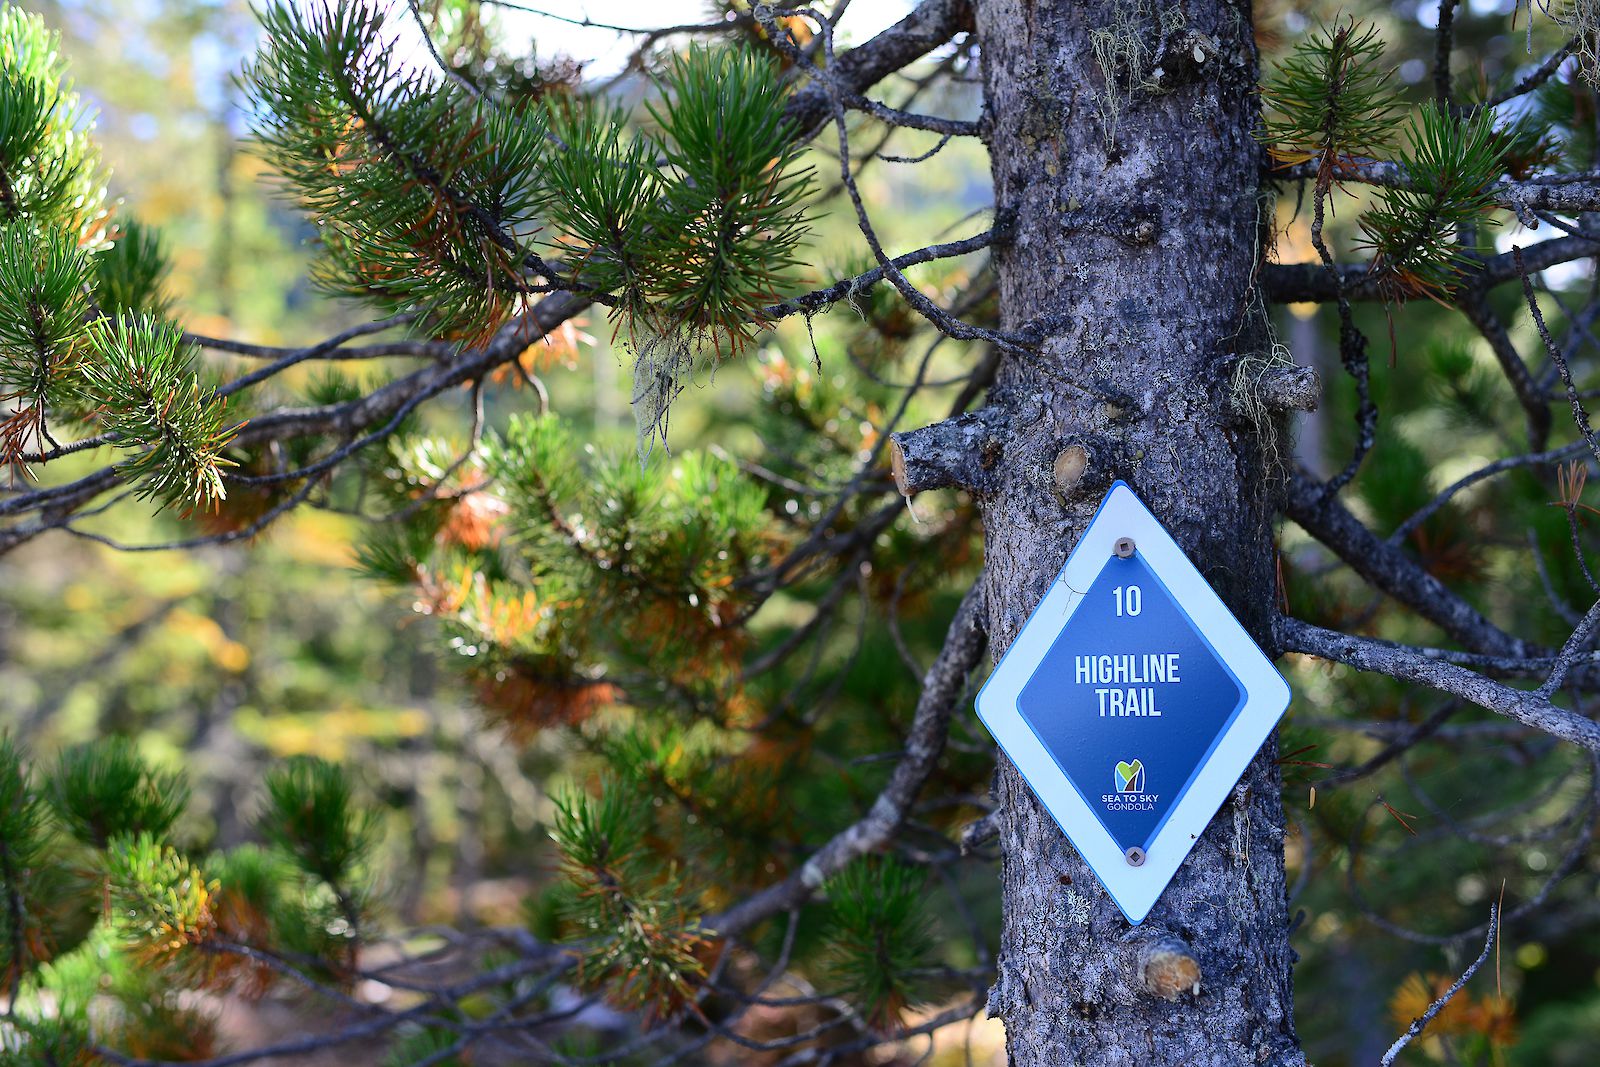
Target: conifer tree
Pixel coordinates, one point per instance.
(747, 826)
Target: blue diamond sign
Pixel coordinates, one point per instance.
(1132, 701)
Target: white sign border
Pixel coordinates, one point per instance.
(1266, 696)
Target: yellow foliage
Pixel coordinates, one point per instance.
(321, 538)
(227, 654)
(1492, 1016)
(329, 734)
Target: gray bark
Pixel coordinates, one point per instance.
(1132, 261)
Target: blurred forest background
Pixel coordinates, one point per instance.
(223, 660)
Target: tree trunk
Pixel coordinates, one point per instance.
(1122, 140)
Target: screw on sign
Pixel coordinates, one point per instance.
(1132, 701)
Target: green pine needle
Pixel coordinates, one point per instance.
(1452, 165)
(426, 198)
(638, 566)
(645, 938)
(130, 273)
(312, 814)
(603, 182)
(603, 836)
(1331, 98)
(143, 383)
(44, 310)
(878, 935)
(51, 1042)
(49, 169)
(725, 231)
(23, 836)
(104, 789)
(161, 909)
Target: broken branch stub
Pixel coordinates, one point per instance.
(957, 453)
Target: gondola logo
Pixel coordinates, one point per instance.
(1130, 777)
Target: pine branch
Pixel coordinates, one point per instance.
(930, 25)
(1396, 573)
(427, 194)
(941, 319)
(383, 408)
(1531, 82)
(726, 227)
(1421, 1022)
(1573, 195)
(634, 903)
(1409, 665)
(942, 689)
(848, 288)
(1450, 167)
(1291, 283)
(44, 308)
(49, 168)
(150, 398)
(1330, 99)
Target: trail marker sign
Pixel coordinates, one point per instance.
(1132, 701)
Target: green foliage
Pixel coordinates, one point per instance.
(718, 240)
(636, 565)
(57, 271)
(50, 1042)
(724, 232)
(1468, 394)
(102, 917)
(1330, 98)
(734, 793)
(149, 394)
(425, 1045)
(104, 789)
(22, 843)
(607, 179)
(878, 935)
(1566, 105)
(565, 560)
(604, 835)
(1404, 489)
(112, 984)
(264, 899)
(1451, 165)
(426, 198)
(391, 553)
(48, 166)
(647, 938)
(332, 386)
(129, 274)
(44, 307)
(693, 525)
(161, 901)
(312, 814)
